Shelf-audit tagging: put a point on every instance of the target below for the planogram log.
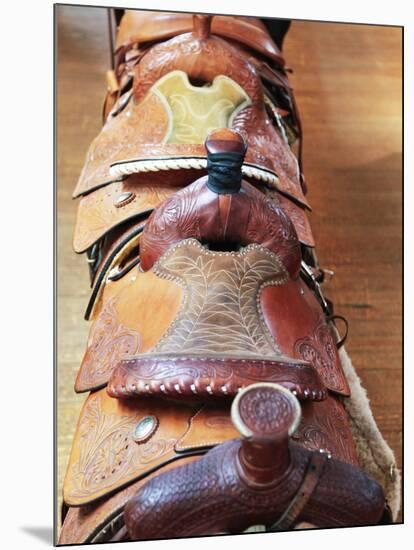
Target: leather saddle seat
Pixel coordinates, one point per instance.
(157, 122)
(190, 345)
(219, 340)
(178, 91)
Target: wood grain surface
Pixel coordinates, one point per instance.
(348, 83)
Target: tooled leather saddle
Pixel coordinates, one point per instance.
(219, 397)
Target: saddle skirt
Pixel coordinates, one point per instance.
(201, 291)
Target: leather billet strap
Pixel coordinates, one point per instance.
(310, 278)
(342, 340)
(107, 263)
(313, 283)
(313, 473)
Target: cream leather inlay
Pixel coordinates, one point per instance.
(195, 111)
(221, 311)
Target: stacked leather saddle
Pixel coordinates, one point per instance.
(216, 396)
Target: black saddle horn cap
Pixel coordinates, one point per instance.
(226, 150)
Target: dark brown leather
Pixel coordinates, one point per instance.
(186, 508)
(93, 522)
(249, 483)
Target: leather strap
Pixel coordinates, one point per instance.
(313, 473)
(342, 340)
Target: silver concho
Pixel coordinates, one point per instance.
(145, 428)
(123, 199)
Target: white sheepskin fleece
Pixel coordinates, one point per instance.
(374, 454)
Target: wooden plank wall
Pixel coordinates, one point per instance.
(347, 80)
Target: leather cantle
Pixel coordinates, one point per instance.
(142, 132)
(142, 26)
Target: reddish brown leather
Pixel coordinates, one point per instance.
(240, 219)
(300, 329)
(325, 425)
(206, 377)
(85, 524)
(297, 215)
(201, 60)
(142, 26)
(182, 503)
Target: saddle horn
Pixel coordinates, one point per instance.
(221, 210)
(202, 26)
(263, 479)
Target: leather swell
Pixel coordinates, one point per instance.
(240, 219)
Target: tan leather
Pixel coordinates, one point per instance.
(325, 425)
(125, 325)
(211, 425)
(143, 26)
(104, 455)
(84, 523)
(195, 110)
(143, 123)
(214, 279)
(97, 212)
(141, 131)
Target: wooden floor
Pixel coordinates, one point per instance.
(348, 86)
